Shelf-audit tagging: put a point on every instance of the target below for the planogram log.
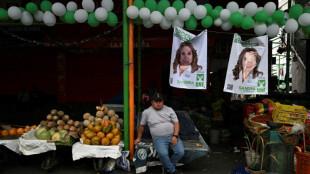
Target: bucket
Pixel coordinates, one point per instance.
(215, 136)
(250, 156)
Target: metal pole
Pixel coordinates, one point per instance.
(139, 69)
(288, 53)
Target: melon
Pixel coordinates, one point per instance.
(56, 137)
(86, 115)
(99, 114)
(111, 113)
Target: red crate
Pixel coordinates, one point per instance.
(302, 163)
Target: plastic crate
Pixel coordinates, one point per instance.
(302, 163)
(240, 170)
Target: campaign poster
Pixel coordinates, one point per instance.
(188, 65)
(247, 71)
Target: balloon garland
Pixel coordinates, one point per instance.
(264, 20)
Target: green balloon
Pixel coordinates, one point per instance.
(191, 23)
(215, 14)
(277, 16)
(22, 9)
(62, 19)
(282, 22)
(178, 5)
(46, 6)
(306, 29)
(69, 17)
(219, 8)
(307, 10)
(32, 7)
(151, 5)
(207, 21)
(235, 18)
(295, 11)
(138, 21)
(209, 8)
(3, 14)
(261, 16)
(162, 6)
(269, 20)
(138, 3)
(247, 23)
(112, 19)
(92, 21)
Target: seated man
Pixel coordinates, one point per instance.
(164, 127)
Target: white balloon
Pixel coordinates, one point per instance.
(226, 26)
(225, 14)
(71, 6)
(58, 9)
(260, 29)
(38, 16)
(250, 9)
(286, 15)
(80, 15)
(49, 18)
(147, 24)
(260, 8)
(144, 13)
(26, 18)
(170, 13)
(156, 17)
(177, 23)
(241, 10)
(165, 24)
(272, 30)
(107, 4)
(184, 14)
(200, 12)
(191, 5)
(14, 13)
(101, 14)
(132, 12)
(218, 22)
(88, 5)
(232, 6)
(304, 19)
(270, 7)
(291, 26)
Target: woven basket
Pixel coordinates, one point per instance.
(292, 139)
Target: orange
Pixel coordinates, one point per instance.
(105, 141)
(115, 131)
(90, 127)
(33, 127)
(83, 136)
(90, 134)
(27, 128)
(100, 135)
(5, 133)
(13, 131)
(20, 131)
(113, 122)
(115, 141)
(87, 141)
(110, 136)
(97, 128)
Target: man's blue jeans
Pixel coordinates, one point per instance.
(162, 145)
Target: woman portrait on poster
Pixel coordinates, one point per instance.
(247, 66)
(186, 60)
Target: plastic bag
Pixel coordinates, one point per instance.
(122, 162)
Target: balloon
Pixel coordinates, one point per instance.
(232, 6)
(277, 16)
(107, 4)
(88, 5)
(69, 17)
(101, 14)
(200, 12)
(62, 19)
(26, 18)
(144, 13)
(207, 21)
(165, 24)
(151, 5)
(291, 26)
(226, 25)
(307, 10)
(215, 14)
(184, 14)
(138, 21)
(191, 23)
(270, 8)
(261, 16)
(272, 30)
(247, 23)
(250, 9)
(282, 22)
(49, 18)
(218, 22)
(269, 21)
(162, 6)
(147, 24)
(170, 13)
(177, 23)
(306, 29)
(92, 21)
(3, 14)
(260, 29)
(241, 11)
(209, 8)
(38, 16)
(31, 7)
(235, 18)
(191, 5)
(304, 19)
(14, 13)
(112, 19)
(132, 12)
(219, 8)
(225, 14)
(295, 11)
(178, 5)
(22, 9)
(156, 17)
(46, 6)
(71, 6)
(80, 15)
(59, 9)
(138, 3)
